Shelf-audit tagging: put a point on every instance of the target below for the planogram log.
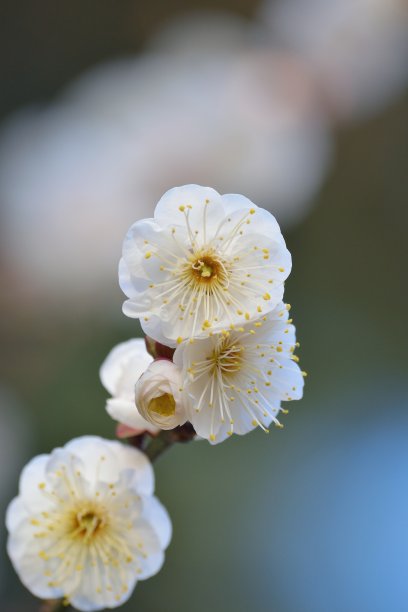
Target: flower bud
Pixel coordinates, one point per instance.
(158, 397)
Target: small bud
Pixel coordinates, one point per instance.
(158, 397)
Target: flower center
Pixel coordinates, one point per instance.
(164, 405)
(227, 358)
(87, 523)
(206, 269)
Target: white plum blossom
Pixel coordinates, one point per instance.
(85, 525)
(119, 374)
(158, 395)
(236, 380)
(204, 263)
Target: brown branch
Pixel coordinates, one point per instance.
(159, 444)
(54, 605)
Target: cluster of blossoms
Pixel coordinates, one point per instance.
(206, 279)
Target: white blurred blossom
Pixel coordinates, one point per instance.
(64, 182)
(358, 49)
(212, 109)
(85, 525)
(276, 146)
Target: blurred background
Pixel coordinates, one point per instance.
(302, 106)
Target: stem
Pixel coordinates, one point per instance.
(158, 445)
(54, 605)
(166, 439)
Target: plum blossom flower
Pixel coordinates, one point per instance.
(237, 379)
(204, 263)
(119, 373)
(85, 525)
(158, 395)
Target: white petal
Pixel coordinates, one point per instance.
(16, 513)
(130, 458)
(153, 328)
(134, 286)
(148, 237)
(189, 352)
(23, 550)
(98, 457)
(88, 598)
(112, 368)
(126, 412)
(145, 534)
(207, 422)
(262, 221)
(81, 601)
(206, 208)
(129, 279)
(33, 475)
(157, 515)
(242, 425)
(132, 252)
(137, 307)
(288, 380)
(105, 459)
